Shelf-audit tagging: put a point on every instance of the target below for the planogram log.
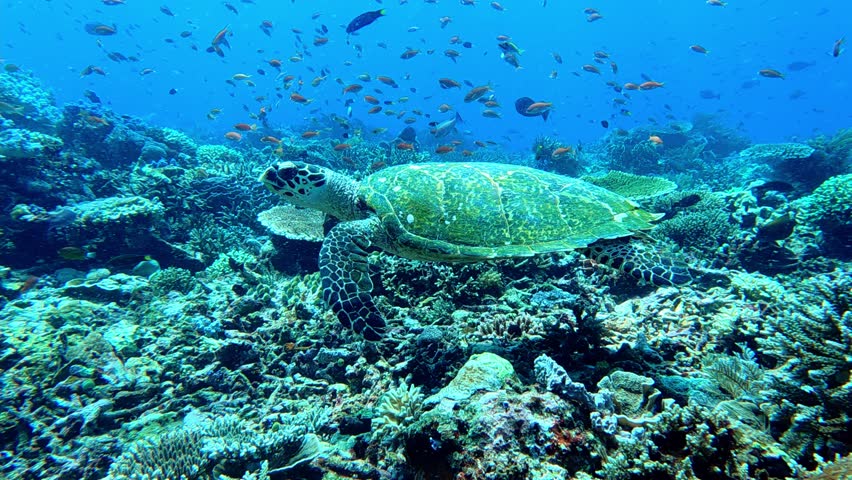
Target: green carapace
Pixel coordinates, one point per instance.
(461, 212)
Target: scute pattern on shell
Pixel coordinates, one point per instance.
(491, 210)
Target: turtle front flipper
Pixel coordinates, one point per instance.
(346, 284)
(641, 261)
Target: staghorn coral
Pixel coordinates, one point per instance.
(227, 447)
(810, 335)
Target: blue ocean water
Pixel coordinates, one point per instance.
(649, 37)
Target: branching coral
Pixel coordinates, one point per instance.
(811, 337)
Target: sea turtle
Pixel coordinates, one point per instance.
(461, 212)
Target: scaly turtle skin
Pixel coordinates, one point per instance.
(461, 212)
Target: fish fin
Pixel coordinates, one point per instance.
(545, 115)
(459, 118)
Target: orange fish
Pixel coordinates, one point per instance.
(631, 86)
(592, 69)
(539, 108)
(310, 134)
(375, 109)
(299, 99)
(442, 149)
(353, 88)
(698, 49)
(387, 81)
(467, 153)
(655, 140)
(270, 139)
(28, 284)
(341, 147)
(274, 62)
(371, 99)
(770, 73)
(560, 152)
(404, 146)
(444, 108)
(318, 41)
(650, 85)
(233, 136)
(245, 127)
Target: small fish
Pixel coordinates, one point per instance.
(523, 104)
(591, 69)
(774, 185)
(837, 50)
(778, 229)
(476, 93)
(310, 134)
(72, 253)
(245, 127)
(650, 85)
(341, 147)
(100, 29)
(655, 140)
(442, 149)
(560, 152)
(166, 11)
(604, 124)
(408, 54)
(716, 3)
(594, 17)
(233, 136)
(539, 108)
(698, 49)
(448, 83)
(770, 73)
(270, 139)
(363, 20)
(687, 201)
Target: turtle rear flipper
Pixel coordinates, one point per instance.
(641, 261)
(346, 284)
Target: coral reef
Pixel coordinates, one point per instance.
(632, 186)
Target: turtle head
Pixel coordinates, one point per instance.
(312, 186)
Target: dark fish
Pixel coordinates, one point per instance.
(774, 186)
(407, 135)
(523, 103)
(604, 124)
(778, 229)
(92, 96)
(799, 65)
(363, 20)
(709, 95)
(167, 11)
(232, 8)
(172, 91)
(72, 253)
(687, 201)
(127, 260)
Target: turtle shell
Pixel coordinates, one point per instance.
(475, 211)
